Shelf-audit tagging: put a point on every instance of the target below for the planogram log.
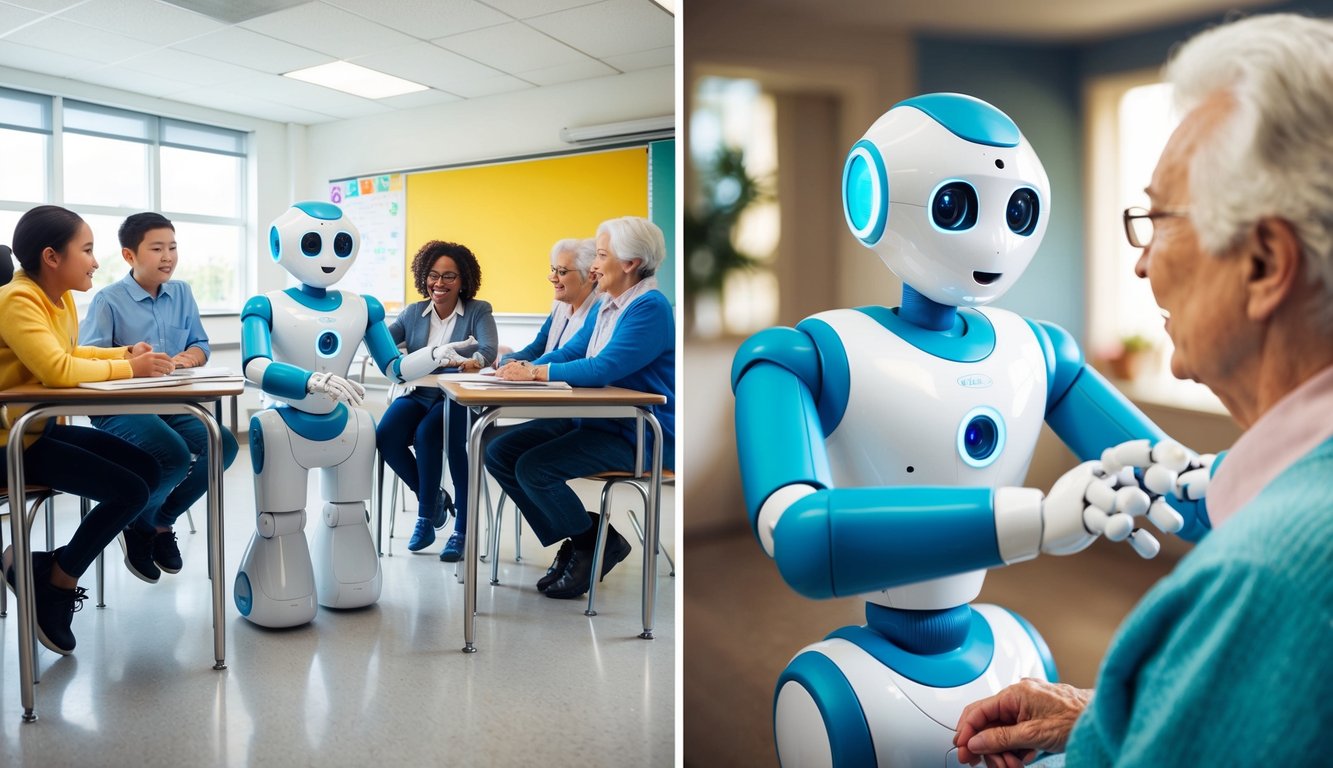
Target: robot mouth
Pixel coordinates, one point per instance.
(327, 270)
(986, 278)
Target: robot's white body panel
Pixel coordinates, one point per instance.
(881, 443)
(300, 333)
(908, 724)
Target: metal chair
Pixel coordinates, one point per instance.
(639, 483)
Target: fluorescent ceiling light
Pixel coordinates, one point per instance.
(667, 5)
(356, 80)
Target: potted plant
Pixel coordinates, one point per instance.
(1134, 353)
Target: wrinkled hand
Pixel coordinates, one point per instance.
(518, 370)
(447, 354)
(1011, 727)
(336, 387)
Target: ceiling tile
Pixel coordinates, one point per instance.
(419, 99)
(633, 62)
(328, 30)
(610, 27)
(512, 47)
(41, 60)
(317, 98)
(489, 87)
(179, 65)
(135, 81)
(525, 9)
(248, 104)
(254, 51)
(45, 6)
(127, 17)
(567, 73)
(11, 18)
(426, 18)
(66, 37)
(429, 65)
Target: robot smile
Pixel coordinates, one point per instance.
(986, 278)
(327, 270)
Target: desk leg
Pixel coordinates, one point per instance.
(474, 480)
(215, 543)
(652, 530)
(18, 526)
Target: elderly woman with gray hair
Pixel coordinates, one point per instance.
(575, 297)
(1229, 659)
(630, 343)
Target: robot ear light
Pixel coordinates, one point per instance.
(865, 192)
(275, 243)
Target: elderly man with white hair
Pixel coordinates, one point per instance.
(631, 343)
(1229, 659)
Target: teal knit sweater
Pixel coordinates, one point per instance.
(1229, 659)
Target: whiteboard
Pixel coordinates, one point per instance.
(377, 205)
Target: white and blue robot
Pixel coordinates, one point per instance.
(297, 345)
(883, 450)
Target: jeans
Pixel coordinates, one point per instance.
(175, 441)
(98, 466)
(534, 461)
(417, 419)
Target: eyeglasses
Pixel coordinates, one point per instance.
(560, 271)
(436, 277)
(1140, 223)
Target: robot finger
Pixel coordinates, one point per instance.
(1131, 501)
(1118, 526)
(1134, 453)
(1172, 455)
(1094, 520)
(1100, 494)
(1144, 543)
(1192, 485)
(1164, 517)
(1160, 479)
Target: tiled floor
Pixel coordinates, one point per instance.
(387, 684)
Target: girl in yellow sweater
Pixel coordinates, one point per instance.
(39, 345)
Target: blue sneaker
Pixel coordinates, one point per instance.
(453, 548)
(422, 536)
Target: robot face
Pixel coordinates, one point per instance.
(314, 242)
(950, 195)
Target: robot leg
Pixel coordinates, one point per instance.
(347, 567)
(275, 585)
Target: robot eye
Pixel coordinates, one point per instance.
(954, 206)
(342, 245)
(311, 243)
(1022, 212)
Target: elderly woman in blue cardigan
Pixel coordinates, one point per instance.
(448, 275)
(575, 298)
(631, 343)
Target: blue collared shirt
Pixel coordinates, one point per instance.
(124, 314)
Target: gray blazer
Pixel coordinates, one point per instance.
(414, 329)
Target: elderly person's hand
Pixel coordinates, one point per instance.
(521, 370)
(1010, 728)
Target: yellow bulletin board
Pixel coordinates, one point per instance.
(510, 214)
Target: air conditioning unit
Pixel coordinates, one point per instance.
(625, 130)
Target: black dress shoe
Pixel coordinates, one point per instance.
(576, 579)
(558, 566)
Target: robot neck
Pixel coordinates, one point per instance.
(921, 631)
(313, 292)
(921, 311)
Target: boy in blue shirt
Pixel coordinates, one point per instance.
(148, 306)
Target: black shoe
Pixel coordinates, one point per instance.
(166, 555)
(138, 550)
(558, 566)
(444, 505)
(577, 577)
(54, 607)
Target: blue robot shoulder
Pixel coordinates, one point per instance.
(813, 353)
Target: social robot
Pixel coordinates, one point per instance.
(883, 450)
(297, 345)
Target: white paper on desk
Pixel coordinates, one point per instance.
(204, 372)
(141, 382)
(494, 383)
(467, 377)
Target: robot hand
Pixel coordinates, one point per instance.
(1167, 467)
(336, 387)
(447, 354)
(1082, 492)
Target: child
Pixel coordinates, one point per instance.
(39, 345)
(148, 306)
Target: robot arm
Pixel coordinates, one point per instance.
(405, 367)
(283, 380)
(1089, 414)
(840, 541)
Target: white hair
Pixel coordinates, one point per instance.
(584, 250)
(1274, 154)
(633, 237)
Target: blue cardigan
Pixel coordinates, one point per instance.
(641, 355)
(538, 346)
(1229, 659)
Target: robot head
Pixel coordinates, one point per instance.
(950, 195)
(314, 242)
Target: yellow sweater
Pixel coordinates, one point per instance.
(39, 345)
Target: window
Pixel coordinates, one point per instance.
(111, 163)
(733, 151)
(1130, 120)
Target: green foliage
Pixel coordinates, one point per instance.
(1134, 344)
(710, 254)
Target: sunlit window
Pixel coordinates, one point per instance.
(1131, 119)
(732, 226)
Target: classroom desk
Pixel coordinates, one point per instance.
(542, 403)
(47, 402)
